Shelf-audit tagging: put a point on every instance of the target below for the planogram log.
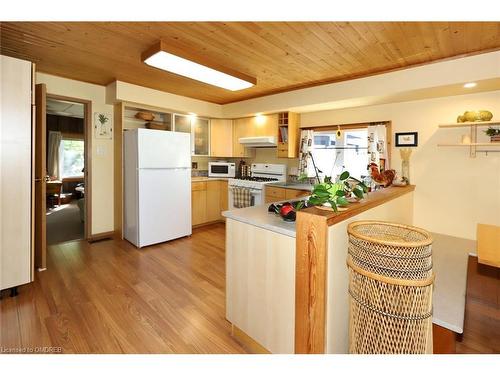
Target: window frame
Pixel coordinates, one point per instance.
(72, 137)
(359, 125)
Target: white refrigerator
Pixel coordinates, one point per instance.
(157, 186)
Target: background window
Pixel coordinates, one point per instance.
(72, 158)
(333, 154)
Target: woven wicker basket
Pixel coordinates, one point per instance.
(390, 249)
(390, 288)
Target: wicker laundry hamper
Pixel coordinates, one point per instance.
(390, 288)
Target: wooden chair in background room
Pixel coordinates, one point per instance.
(54, 191)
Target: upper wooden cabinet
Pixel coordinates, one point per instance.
(256, 126)
(288, 135)
(221, 138)
(242, 128)
(199, 128)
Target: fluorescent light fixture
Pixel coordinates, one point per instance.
(470, 85)
(158, 57)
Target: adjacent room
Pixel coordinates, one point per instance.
(65, 188)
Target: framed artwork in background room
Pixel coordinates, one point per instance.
(409, 139)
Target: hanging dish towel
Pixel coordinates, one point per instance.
(242, 197)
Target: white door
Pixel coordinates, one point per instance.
(163, 149)
(164, 205)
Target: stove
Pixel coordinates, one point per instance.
(258, 179)
(261, 174)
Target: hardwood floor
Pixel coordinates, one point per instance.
(109, 297)
(482, 310)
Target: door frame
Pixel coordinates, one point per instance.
(87, 175)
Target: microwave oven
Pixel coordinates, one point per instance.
(221, 169)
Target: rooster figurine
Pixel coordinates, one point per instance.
(385, 178)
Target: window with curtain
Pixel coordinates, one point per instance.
(332, 154)
(72, 158)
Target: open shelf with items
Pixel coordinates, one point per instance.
(288, 135)
(161, 121)
(473, 144)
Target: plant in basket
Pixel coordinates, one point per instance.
(493, 133)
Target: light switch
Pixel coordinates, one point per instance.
(101, 150)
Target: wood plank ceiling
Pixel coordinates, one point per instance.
(281, 55)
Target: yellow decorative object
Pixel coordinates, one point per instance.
(485, 115)
(472, 116)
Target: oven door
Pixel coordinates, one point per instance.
(257, 197)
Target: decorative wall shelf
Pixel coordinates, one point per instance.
(469, 124)
(473, 145)
(468, 144)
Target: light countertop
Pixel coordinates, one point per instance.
(259, 217)
(205, 178)
(292, 185)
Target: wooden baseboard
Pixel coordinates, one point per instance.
(101, 236)
(208, 223)
(247, 342)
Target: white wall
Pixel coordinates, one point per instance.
(454, 192)
(102, 149)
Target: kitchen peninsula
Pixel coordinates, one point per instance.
(286, 282)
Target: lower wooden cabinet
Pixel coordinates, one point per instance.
(198, 203)
(213, 201)
(223, 196)
(292, 193)
(208, 200)
(274, 194)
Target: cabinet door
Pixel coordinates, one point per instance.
(201, 136)
(199, 207)
(221, 138)
(292, 193)
(213, 200)
(242, 127)
(265, 126)
(223, 196)
(182, 123)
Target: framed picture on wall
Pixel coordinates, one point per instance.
(103, 126)
(409, 139)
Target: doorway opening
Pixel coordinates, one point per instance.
(65, 199)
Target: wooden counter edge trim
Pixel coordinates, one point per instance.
(373, 199)
(310, 283)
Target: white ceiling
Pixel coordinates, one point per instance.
(64, 108)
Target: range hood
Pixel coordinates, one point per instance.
(258, 141)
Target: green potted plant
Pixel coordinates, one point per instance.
(339, 193)
(493, 133)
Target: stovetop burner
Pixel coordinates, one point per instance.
(258, 179)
